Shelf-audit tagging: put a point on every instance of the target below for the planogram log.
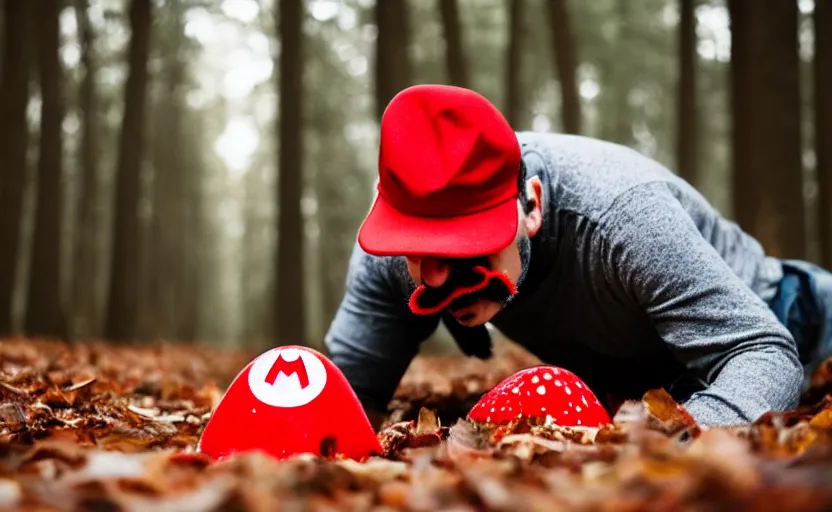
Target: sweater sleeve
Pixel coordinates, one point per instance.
(712, 321)
(374, 336)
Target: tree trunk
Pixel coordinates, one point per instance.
(454, 48)
(85, 306)
(190, 255)
(165, 223)
(768, 185)
(393, 67)
(199, 279)
(617, 123)
(566, 64)
(191, 263)
(44, 310)
(2, 34)
(156, 301)
(290, 314)
(14, 141)
(686, 135)
(513, 64)
(125, 278)
(823, 123)
(168, 229)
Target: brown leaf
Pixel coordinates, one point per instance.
(427, 423)
(468, 443)
(12, 417)
(60, 456)
(823, 419)
(666, 415)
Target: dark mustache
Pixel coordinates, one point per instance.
(469, 281)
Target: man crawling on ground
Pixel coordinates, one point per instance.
(593, 257)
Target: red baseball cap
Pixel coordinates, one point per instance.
(448, 166)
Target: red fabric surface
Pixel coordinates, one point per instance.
(448, 165)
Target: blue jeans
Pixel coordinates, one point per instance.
(803, 303)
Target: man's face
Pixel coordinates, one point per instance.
(512, 260)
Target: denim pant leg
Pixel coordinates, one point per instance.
(804, 305)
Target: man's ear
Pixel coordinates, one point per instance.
(533, 220)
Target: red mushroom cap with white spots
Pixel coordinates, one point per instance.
(545, 392)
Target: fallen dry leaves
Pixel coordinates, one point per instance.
(92, 427)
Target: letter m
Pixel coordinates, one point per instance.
(288, 368)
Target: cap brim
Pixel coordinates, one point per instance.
(389, 232)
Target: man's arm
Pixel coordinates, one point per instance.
(710, 319)
(374, 336)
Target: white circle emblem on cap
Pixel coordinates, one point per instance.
(287, 377)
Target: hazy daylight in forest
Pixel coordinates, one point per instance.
(193, 170)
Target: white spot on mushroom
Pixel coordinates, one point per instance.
(578, 385)
(568, 391)
(565, 411)
(547, 376)
(492, 409)
(557, 383)
(488, 419)
(583, 399)
(502, 408)
(579, 422)
(516, 390)
(543, 409)
(519, 414)
(535, 379)
(578, 408)
(570, 404)
(541, 390)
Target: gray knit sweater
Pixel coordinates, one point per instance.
(635, 281)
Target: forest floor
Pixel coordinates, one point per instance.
(92, 427)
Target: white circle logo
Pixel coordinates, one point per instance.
(287, 377)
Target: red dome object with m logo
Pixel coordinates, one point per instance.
(287, 401)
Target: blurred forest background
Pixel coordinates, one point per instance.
(197, 170)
